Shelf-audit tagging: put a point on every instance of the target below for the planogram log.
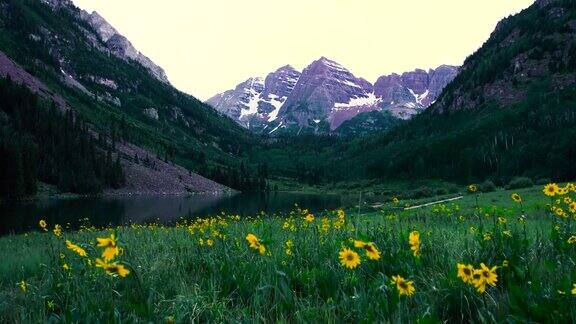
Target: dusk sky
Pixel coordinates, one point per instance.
(207, 47)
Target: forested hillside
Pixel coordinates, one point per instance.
(120, 98)
(510, 112)
(40, 142)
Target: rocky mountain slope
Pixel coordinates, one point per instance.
(257, 101)
(509, 113)
(325, 95)
(535, 46)
(80, 61)
(119, 45)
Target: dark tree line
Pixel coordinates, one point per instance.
(240, 178)
(40, 143)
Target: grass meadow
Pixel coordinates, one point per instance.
(493, 257)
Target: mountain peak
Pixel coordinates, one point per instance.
(324, 61)
(286, 67)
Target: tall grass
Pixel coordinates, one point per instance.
(177, 276)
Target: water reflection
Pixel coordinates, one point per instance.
(24, 216)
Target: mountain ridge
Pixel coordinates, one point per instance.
(326, 94)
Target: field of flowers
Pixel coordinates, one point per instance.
(442, 263)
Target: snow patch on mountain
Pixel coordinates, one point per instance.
(253, 96)
(370, 100)
(257, 101)
(327, 91)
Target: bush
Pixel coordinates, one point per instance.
(441, 191)
(542, 182)
(453, 189)
(487, 186)
(422, 192)
(520, 182)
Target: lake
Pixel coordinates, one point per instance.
(17, 217)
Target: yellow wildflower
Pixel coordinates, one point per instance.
(465, 272)
(43, 225)
(572, 239)
(484, 276)
(358, 243)
(404, 287)
(414, 241)
(114, 269)
(23, 286)
(58, 230)
(111, 249)
(472, 188)
(309, 218)
(551, 189)
(371, 250)
(349, 258)
(572, 207)
(560, 212)
(522, 219)
(255, 243)
(516, 197)
(75, 248)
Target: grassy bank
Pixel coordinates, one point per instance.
(291, 271)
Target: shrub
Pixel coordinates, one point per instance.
(487, 186)
(453, 188)
(520, 182)
(441, 191)
(543, 181)
(422, 192)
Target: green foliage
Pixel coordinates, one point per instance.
(488, 186)
(176, 274)
(39, 142)
(520, 182)
(368, 123)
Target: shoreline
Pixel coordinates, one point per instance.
(65, 196)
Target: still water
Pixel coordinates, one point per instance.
(24, 216)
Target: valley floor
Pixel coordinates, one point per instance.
(382, 264)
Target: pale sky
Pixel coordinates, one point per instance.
(208, 46)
